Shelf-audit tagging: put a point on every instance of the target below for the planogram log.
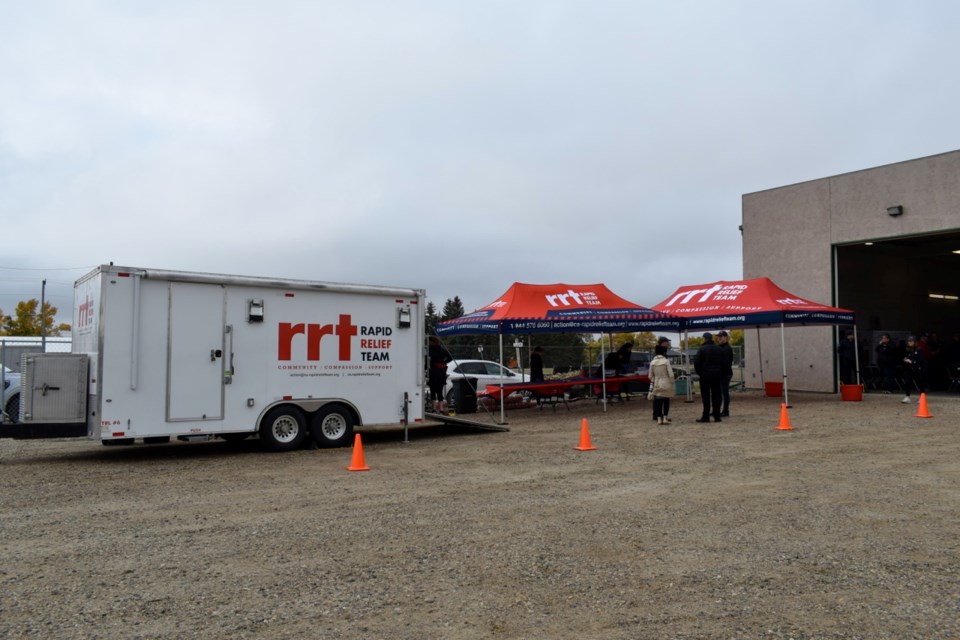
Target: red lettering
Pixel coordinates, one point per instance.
(285, 338)
(314, 333)
(344, 329)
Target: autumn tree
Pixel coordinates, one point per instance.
(26, 321)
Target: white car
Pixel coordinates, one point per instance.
(484, 371)
(11, 395)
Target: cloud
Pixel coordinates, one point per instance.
(453, 147)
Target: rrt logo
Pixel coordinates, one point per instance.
(85, 313)
(716, 292)
(344, 330)
(588, 298)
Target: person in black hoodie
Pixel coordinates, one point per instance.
(847, 350)
(723, 343)
(887, 361)
(914, 369)
(708, 363)
(437, 374)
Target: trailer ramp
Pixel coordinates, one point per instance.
(463, 422)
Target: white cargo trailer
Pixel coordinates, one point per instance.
(159, 354)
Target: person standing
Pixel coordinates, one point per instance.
(708, 363)
(536, 371)
(661, 385)
(536, 365)
(887, 362)
(847, 350)
(438, 358)
(723, 343)
(914, 369)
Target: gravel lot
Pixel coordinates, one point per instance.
(845, 527)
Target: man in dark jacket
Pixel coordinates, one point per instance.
(847, 351)
(887, 362)
(724, 345)
(708, 364)
(914, 369)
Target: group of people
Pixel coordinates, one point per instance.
(907, 363)
(914, 364)
(713, 364)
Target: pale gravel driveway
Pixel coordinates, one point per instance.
(845, 527)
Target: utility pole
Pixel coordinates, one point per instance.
(43, 323)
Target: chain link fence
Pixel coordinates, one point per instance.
(12, 348)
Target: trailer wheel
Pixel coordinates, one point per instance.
(332, 426)
(283, 429)
(13, 408)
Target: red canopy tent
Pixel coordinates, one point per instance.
(751, 303)
(558, 308)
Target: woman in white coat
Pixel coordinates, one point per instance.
(661, 385)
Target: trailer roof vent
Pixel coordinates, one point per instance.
(403, 317)
(255, 310)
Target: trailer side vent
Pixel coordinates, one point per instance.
(255, 310)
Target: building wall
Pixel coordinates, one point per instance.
(789, 234)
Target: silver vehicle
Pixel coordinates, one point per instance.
(484, 371)
(11, 395)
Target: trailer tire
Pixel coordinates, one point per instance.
(332, 426)
(283, 429)
(13, 408)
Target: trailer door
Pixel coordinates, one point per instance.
(195, 348)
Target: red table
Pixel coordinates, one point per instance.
(557, 388)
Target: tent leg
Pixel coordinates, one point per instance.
(856, 353)
(783, 349)
(760, 355)
(603, 374)
(503, 411)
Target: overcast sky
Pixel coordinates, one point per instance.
(457, 146)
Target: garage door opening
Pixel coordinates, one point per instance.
(903, 286)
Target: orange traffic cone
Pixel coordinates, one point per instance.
(357, 463)
(784, 419)
(923, 412)
(585, 444)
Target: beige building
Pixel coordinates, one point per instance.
(884, 242)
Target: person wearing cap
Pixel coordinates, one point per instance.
(723, 343)
(914, 368)
(708, 363)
